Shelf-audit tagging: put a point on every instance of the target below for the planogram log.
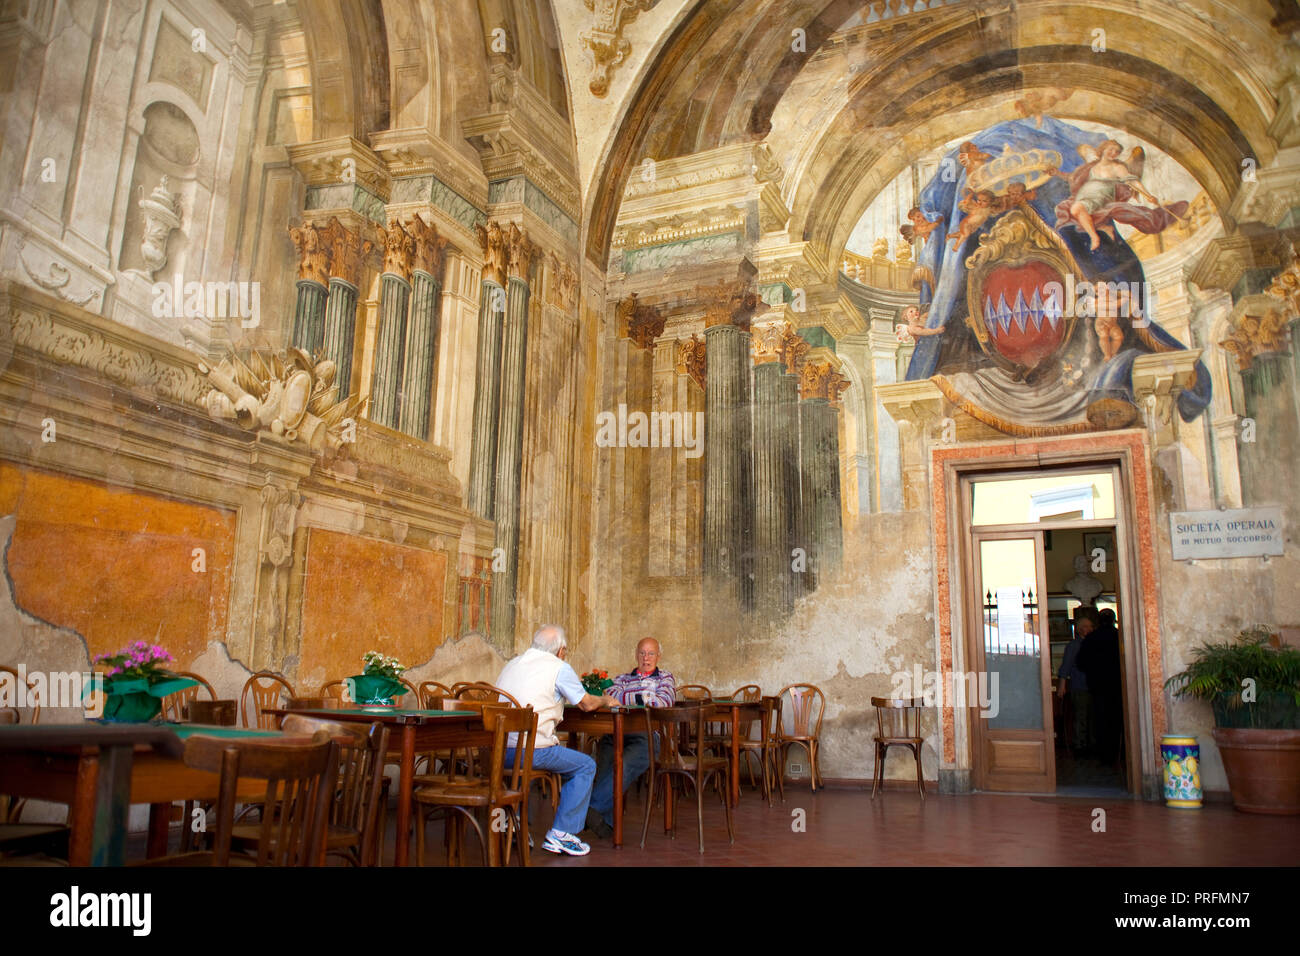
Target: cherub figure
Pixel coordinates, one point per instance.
(1102, 188)
(1110, 335)
(978, 207)
(914, 317)
(920, 227)
(1017, 195)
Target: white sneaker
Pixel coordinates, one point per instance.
(559, 842)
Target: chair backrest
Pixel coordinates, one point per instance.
(898, 717)
(13, 683)
(805, 704)
(503, 720)
(411, 697)
(431, 692)
(264, 689)
(693, 692)
(297, 793)
(750, 693)
(312, 703)
(338, 689)
(482, 691)
(681, 741)
(173, 705)
(360, 775)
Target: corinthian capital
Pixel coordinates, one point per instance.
(313, 253)
(347, 251)
(640, 323)
(493, 243)
(519, 253)
(429, 246)
(399, 250)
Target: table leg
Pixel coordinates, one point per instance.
(160, 820)
(618, 778)
(81, 814)
(734, 757)
(401, 849)
(112, 802)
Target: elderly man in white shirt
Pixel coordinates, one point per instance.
(540, 678)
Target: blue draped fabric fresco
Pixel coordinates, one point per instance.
(956, 352)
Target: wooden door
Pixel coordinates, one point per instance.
(1012, 718)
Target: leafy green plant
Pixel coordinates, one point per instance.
(1219, 674)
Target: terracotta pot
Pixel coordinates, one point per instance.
(1263, 768)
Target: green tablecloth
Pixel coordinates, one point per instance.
(185, 731)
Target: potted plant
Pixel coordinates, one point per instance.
(135, 682)
(596, 682)
(378, 682)
(1253, 687)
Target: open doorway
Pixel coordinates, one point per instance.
(1044, 569)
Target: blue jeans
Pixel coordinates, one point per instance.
(576, 771)
(636, 760)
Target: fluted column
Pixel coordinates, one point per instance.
(787, 410)
(394, 300)
(421, 331)
(487, 378)
(347, 256)
(728, 479)
(775, 465)
(819, 439)
(510, 437)
(313, 278)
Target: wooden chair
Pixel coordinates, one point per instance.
(312, 703)
(35, 708)
(682, 757)
(173, 705)
(298, 791)
(807, 705)
(409, 699)
(482, 691)
(898, 724)
(11, 809)
(338, 689)
(352, 829)
(752, 748)
(431, 692)
(693, 692)
(502, 790)
(264, 689)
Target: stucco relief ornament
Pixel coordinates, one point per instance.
(492, 241)
(291, 396)
(605, 44)
(162, 214)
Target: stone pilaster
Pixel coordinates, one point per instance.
(394, 301)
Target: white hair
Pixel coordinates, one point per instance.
(550, 638)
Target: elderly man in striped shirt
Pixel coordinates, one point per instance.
(647, 685)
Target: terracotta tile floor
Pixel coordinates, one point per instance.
(846, 828)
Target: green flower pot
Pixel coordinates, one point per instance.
(375, 689)
(134, 700)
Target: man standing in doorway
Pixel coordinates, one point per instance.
(1099, 661)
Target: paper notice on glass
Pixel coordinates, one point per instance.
(1011, 618)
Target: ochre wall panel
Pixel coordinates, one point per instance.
(115, 565)
(362, 594)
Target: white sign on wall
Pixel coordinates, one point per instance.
(1242, 533)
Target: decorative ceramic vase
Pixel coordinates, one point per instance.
(1181, 756)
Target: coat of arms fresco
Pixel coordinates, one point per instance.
(1033, 304)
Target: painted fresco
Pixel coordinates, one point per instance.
(1033, 305)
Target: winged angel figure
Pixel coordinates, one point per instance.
(1102, 191)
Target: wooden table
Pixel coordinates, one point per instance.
(99, 770)
(419, 730)
(736, 712)
(614, 721)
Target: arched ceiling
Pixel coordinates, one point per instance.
(843, 116)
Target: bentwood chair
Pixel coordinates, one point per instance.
(693, 692)
(431, 692)
(338, 689)
(898, 724)
(501, 791)
(352, 829)
(752, 747)
(799, 712)
(173, 705)
(483, 691)
(35, 705)
(682, 758)
(298, 790)
(264, 689)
